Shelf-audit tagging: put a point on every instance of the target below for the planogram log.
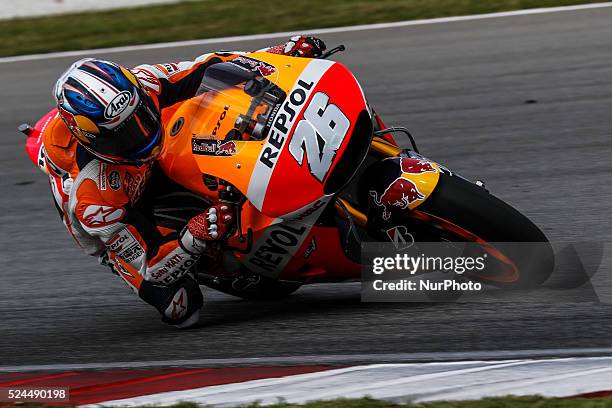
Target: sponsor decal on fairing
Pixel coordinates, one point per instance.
(402, 192)
(211, 147)
(177, 126)
(254, 65)
(400, 237)
(220, 120)
(282, 124)
(280, 241)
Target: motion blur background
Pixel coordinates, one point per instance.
(195, 19)
(521, 102)
(30, 8)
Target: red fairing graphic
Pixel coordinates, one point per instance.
(336, 95)
(33, 143)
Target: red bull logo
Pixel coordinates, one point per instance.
(416, 166)
(254, 65)
(402, 191)
(265, 69)
(226, 149)
(400, 194)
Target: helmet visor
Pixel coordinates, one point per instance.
(136, 138)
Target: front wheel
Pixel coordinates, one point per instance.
(459, 210)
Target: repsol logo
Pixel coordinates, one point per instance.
(118, 104)
(117, 244)
(284, 122)
(221, 117)
(280, 244)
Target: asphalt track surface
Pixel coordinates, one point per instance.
(522, 102)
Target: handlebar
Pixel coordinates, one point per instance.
(331, 52)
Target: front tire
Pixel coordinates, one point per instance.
(459, 210)
(483, 217)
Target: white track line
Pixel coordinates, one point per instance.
(405, 382)
(439, 357)
(287, 34)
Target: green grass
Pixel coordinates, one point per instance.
(217, 18)
(503, 402)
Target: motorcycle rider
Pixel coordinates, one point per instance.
(100, 152)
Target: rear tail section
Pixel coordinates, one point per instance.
(33, 143)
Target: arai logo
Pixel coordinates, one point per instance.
(118, 104)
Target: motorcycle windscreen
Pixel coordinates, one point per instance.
(302, 159)
(220, 131)
(236, 103)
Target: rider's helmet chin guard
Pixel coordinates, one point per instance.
(109, 112)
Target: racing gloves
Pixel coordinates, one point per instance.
(301, 46)
(180, 302)
(213, 224)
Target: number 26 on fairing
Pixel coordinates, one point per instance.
(319, 135)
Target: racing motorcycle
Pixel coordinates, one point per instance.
(313, 172)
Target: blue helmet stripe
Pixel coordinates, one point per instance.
(147, 149)
(81, 100)
(115, 73)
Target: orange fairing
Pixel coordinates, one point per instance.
(259, 145)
